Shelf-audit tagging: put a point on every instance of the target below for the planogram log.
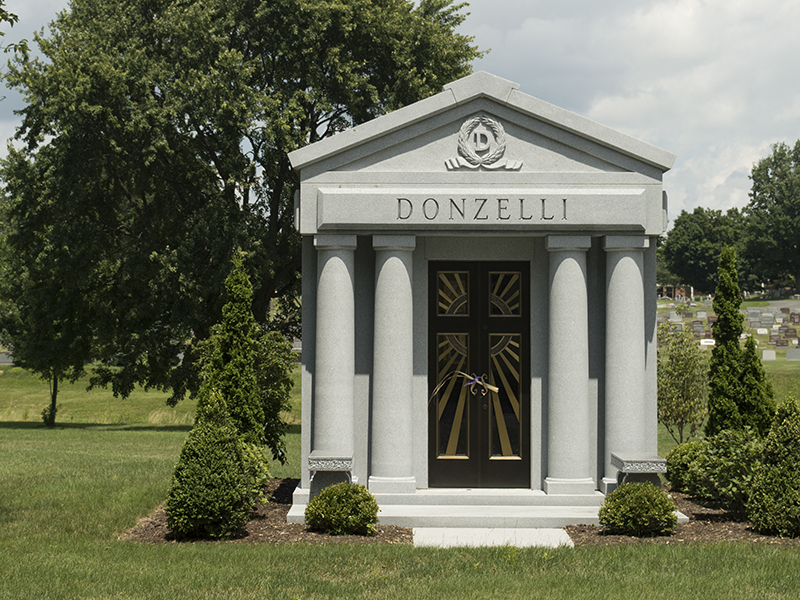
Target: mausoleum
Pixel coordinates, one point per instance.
(479, 309)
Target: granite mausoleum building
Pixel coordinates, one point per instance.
(479, 315)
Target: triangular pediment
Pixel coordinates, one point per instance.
(478, 117)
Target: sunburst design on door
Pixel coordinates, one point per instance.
(452, 429)
(452, 296)
(504, 293)
(504, 423)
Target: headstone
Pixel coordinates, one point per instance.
(786, 310)
(773, 339)
(753, 314)
(701, 314)
(782, 343)
(766, 319)
(698, 329)
(674, 317)
(678, 326)
(768, 355)
(660, 318)
(793, 354)
(796, 318)
(712, 319)
(791, 332)
(762, 331)
(688, 314)
(782, 329)
(707, 342)
(779, 319)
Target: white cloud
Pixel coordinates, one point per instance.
(709, 80)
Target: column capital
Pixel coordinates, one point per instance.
(394, 242)
(579, 243)
(625, 242)
(335, 242)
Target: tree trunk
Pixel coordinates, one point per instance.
(50, 421)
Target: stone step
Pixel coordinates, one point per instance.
(458, 537)
(476, 516)
(476, 497)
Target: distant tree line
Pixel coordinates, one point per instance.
(765, 234)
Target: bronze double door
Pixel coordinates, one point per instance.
(479, 383)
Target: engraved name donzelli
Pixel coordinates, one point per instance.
(483, 209)
(482, 143)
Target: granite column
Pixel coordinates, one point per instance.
(391, 460)
(569, 456)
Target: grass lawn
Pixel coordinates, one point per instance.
(66, 494)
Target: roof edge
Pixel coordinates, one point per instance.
(474, 86)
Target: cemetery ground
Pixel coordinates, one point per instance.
(70, 496)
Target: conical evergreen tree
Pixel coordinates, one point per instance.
(739, 393)
(249, 367)
(229, 355)
(724, 366)
(757, 403)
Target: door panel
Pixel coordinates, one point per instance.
(480, 405)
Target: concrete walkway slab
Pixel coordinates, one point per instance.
(452, 537)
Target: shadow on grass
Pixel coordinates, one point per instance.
(95, 426)
(108, 426)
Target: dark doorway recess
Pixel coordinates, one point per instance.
(479, 383)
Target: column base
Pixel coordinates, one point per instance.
(392, 485)
(608, 485)
(569, 487)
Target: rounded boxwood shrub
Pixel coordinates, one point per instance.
(343, 509)
(774, 505)
(639, 509)
(211, 491)
(679, 459)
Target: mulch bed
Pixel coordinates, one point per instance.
(708, 524)
(268, 525)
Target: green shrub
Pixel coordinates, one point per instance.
(774, 506)
(639, 509)
(679, 459)
(343, 509)
(211, 491)
(256, 462)
(725, 468)
(49, 415)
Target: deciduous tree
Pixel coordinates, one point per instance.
(773, 223)
(693, 245)
(155, 142)
(682, 383)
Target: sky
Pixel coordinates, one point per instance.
(709, 80)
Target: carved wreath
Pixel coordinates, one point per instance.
(469, 154)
